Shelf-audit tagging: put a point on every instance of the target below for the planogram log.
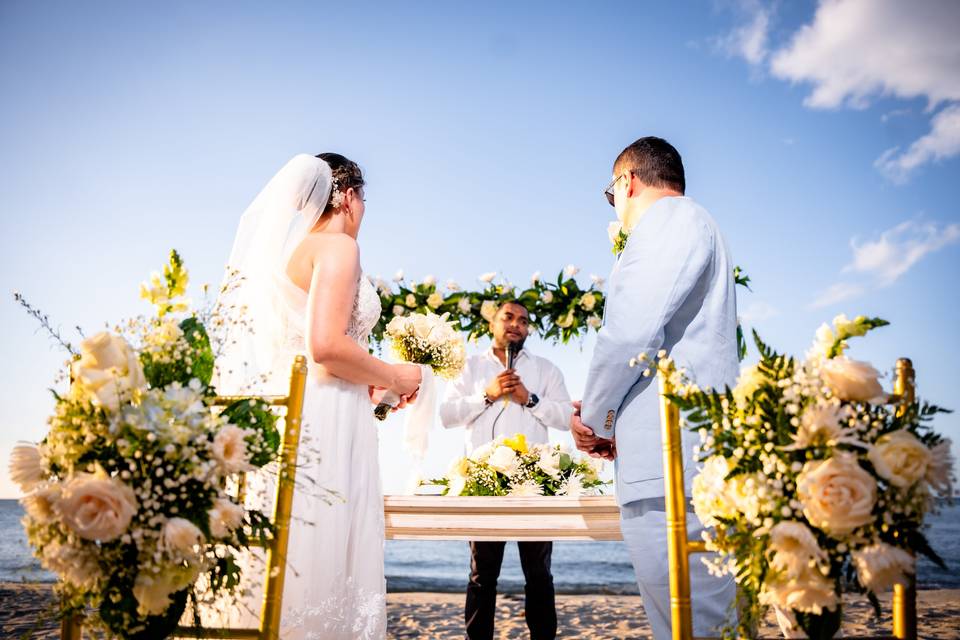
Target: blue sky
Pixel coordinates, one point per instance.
(487, 132)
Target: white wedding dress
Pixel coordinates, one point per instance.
(335, 588)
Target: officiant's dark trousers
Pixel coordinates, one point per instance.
(540, 606)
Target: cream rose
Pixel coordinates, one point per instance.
(180, 534)
(588, 301)
(230, 449)
(851, 379)
(225, 516)
(565, 321)
(26, 466)
(108, 370)
(411, 301)
(549, 463)
(881, 565)
(488, 310)
(96, 506)
(504, 460)
(837, 494)
(900, 458)
(482, 453)
(435, 300)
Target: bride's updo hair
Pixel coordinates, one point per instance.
(346, 175)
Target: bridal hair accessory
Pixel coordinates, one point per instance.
(336, 196)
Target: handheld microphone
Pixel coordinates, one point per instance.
(513, 348)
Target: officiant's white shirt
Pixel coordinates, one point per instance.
(464, 406)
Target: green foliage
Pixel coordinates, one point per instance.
(182, 360)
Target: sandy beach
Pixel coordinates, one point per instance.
(438, 616)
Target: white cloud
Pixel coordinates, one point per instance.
(942, 142)
(758, 312)
(854, 51)
(898, 249)
(837, 293)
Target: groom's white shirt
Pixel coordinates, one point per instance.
(464, 406)
(673, 289)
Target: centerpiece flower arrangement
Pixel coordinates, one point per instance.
(510, 467)
(812, 480)
(125, 496)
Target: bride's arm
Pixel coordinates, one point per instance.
(333, 288)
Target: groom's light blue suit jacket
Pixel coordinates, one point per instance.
(672, 288)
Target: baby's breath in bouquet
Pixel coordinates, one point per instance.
(812, 480)
(428, 340)
(125, 495)
(509, 467)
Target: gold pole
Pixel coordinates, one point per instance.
(71, 628)
(675, 501)
(277, 550)
(905, 595)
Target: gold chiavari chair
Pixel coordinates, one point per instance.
(680, 548)
(276, 548)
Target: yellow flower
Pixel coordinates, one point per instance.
(518, 443)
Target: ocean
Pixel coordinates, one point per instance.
(578, 567)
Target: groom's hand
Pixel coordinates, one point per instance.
(588, 441)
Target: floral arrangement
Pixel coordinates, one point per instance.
(811, 480)
(509, 467)
(125, 496)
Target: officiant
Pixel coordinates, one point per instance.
(489, 400)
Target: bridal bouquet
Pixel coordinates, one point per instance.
(509, 467)
(428, 340)
(125, 497)
(811, 480)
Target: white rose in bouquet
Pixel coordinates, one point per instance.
(230, 449)
(96, 506)
(900, 458)
(488, 309)
(179, 534)
(26, 467)
(852, 380)
(411, 301)
(108, 370)
(482, 453)
(882, 565)
(503, 459)
(549, 463)
(225, 516)
(435, 300)
(588, 301)
(837, 494)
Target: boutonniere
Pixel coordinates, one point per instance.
(618, 237)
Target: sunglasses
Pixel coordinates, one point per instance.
(608, 192)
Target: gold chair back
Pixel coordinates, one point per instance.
(276, 548)
(680, 548)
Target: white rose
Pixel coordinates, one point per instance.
(525, 489)
(940, 469)
(588, 301)
(41, 505)
(108, 370)
(452, 285)
(547, 297)
(852, 380)
(549, 463)
(793, 548)
(225, 516)
(488, 310)
(74, 565)
(811, 592)
(398, 310)
(435, 300)
(900, 458)
(396, 325)
(482, 453)
(535, 278)
(571, 270)
(429, 281)
(613, 230)
(96, 506)
(594, 321)
(880, 566)
(230, 449)
(181, 535)
(422, 327)
(26, 466)
(488, 277)
(837, 494)
(153, 591)
(565, 321)
(464, 305)
(503, 459)
(411, 301)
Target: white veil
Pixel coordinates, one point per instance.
(255, 331)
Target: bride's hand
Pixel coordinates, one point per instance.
(376, 394)
(406, 379)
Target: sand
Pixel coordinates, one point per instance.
(25, 612)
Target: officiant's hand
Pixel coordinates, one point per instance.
(504, 384)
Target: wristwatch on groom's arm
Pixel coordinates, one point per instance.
(533, 401)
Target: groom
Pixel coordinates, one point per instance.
(671, 289)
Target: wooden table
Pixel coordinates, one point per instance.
(501, 518)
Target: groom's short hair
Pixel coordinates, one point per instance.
(655, 162)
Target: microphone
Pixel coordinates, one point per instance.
(513, 348)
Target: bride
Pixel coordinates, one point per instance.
(301, 290)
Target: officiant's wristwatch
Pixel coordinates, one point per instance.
(533, 401)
